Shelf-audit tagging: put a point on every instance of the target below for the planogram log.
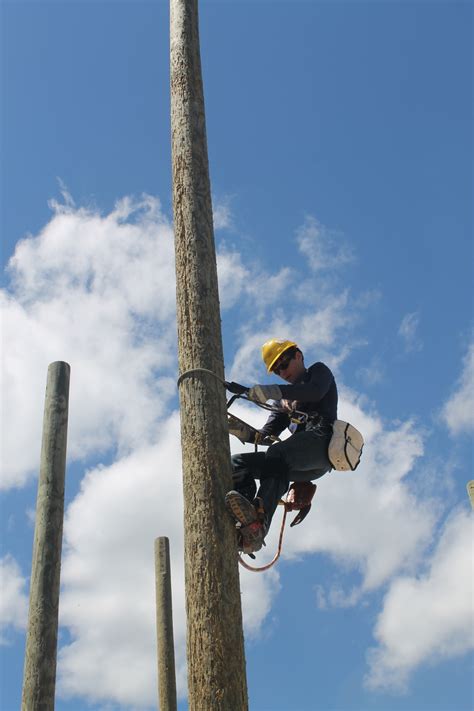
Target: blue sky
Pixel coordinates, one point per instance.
(340, 146)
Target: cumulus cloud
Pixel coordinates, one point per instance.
(98, 291)
(458, 412)
(107, 600)
(13, 598)
(428, 617)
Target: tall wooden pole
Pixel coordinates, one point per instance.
(164, 627)
(215, 647)
(39, 679)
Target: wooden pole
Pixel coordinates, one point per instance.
(39, 679)
(470, 491)
(215, 647)
(164, 627)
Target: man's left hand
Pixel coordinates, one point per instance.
(262, 393)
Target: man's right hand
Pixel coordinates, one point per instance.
(288, 406)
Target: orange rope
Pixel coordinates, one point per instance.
(277, 555)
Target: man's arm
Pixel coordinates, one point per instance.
(314, 390)
(276, 423)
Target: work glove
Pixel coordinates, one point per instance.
(240, 429)
(288, 405)
(262, 393)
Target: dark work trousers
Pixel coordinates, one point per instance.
(301, 457)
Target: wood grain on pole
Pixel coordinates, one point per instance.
(215, 647)
(164, 627)
(39, 677)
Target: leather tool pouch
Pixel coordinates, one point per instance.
(299, 499)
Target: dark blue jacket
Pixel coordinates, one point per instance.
(315, 393)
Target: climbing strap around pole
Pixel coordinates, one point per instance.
(192, 371)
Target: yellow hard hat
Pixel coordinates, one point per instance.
(273, 349)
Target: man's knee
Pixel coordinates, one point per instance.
(275, 461)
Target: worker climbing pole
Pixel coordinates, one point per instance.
(318, 443)
(215, 648)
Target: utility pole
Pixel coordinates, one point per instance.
(39, 679)
(215, 646)
(164, 627)
(470, 491)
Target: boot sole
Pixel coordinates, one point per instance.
(240, 508)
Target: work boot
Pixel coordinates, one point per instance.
(249, 521)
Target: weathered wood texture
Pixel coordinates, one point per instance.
(215, 648)
(164, 627)
(39, 679)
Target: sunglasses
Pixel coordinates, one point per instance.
(283, 364)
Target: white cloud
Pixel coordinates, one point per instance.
(408, 331)
(98, 291)
(107, 600)
(13, 597)
(428, 617)
(458, 412)
(324, 248)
